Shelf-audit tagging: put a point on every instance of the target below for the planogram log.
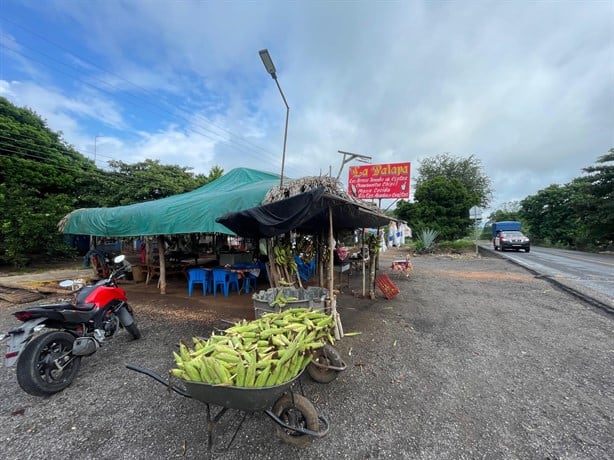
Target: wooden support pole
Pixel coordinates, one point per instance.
(338, 330)
(162, 279)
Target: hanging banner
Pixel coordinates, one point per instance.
(389, 180)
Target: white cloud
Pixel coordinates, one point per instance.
(57, 107)
(526, 87)
(176, 147)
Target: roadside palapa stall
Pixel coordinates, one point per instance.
(309, 206)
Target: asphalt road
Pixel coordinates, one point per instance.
(588, 275)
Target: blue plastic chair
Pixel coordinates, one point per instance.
(196, 276)
(233, 280)
(225, 279)
(249, 281)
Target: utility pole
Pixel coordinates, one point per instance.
(95, 145)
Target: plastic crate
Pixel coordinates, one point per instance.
(312, 297)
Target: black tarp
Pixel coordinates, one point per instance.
(306, 212)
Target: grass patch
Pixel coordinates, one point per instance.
(456, 245)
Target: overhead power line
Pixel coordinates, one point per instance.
(208, 127)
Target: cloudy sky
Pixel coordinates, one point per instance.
(526, 87)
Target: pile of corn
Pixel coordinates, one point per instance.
(265, 352)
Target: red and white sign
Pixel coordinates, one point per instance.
(390, 180)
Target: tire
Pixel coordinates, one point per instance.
(36, 373)
(296, 411)
(327, 356)
(527, 250)
(126, 316)
(133, 330)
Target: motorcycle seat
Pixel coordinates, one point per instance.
(66, 306)
(57, 306)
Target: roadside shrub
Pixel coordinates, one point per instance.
(426, 240)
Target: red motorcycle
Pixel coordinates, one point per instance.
(48, 363)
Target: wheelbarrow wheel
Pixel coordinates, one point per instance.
(296, 411)
(325, 356)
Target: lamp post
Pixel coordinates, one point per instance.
(270, 68)
(95, 144)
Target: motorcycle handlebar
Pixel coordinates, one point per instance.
(118, 273)
(121, 269)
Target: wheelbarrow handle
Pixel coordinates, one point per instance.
(158, 378)
(327, 367)
(317, 434)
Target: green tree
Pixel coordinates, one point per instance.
(595, 203)
(150, 180)
(468, 171)
(43, 178)
(579, 214)
(507, 211)
(406, 210)
(551, 216)
(40, 176)
(439, 204)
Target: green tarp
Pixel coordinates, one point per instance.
(192, 212)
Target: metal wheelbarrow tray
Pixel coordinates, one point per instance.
(298, 422)
(248, 399)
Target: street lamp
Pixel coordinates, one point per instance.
(270, 68)
(95, 143)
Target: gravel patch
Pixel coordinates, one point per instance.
(474, 358)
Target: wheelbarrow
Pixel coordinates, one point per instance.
(298, 422)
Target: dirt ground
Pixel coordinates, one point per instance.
(474, 358)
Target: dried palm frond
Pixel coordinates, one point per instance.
(304, 184)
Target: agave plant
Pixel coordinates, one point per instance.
(426, 237)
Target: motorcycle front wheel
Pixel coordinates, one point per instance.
(134, 331)
(127, 319)
(46, 366)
